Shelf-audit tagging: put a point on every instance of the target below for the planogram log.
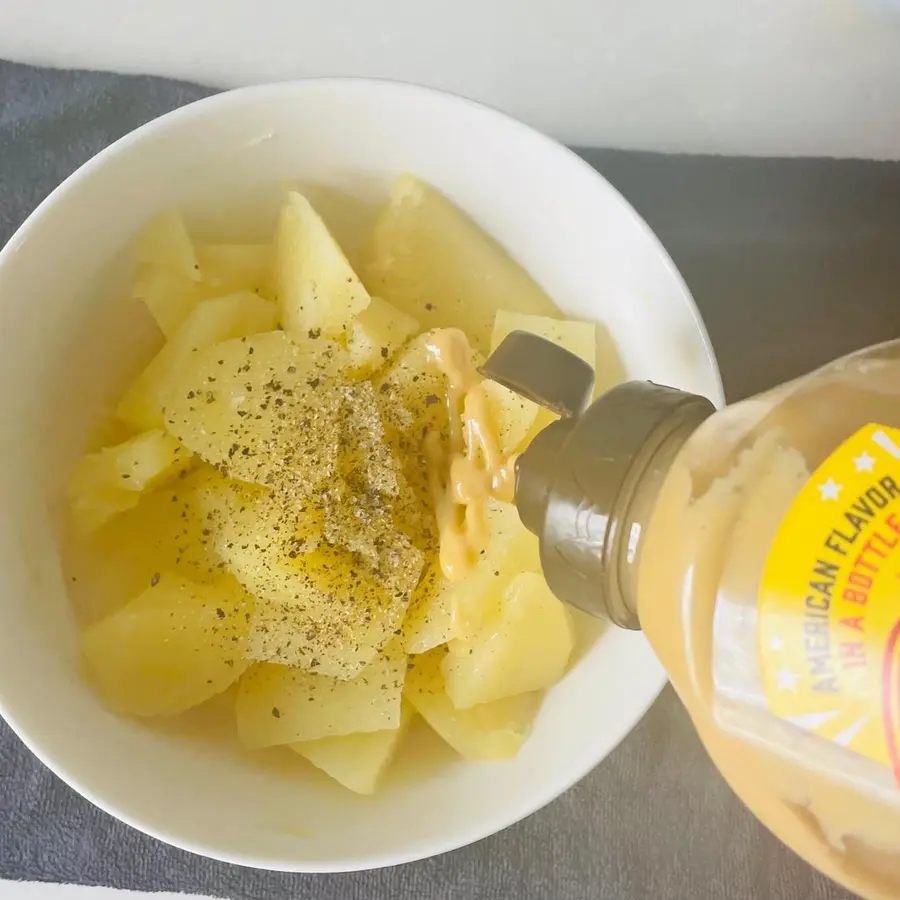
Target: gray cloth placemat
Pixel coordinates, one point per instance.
(655, 819)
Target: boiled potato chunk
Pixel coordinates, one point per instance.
(111, 480)
(507, 407)
(170, 529)
(579, 338)
(513, 416)
(282, 705)
(331, 567)
(174, 646)
(316, 288)
(264, 409)
(430, 620)
(357, 761)
(164, 242)
(431, 261)
(90, 511)
(476, 601)
(443, 611)
(377, 333)
(490, 731)
(328, 610)
(169, 297)
(526, 648)
(230, 268)
(224, 269)
(412, 392)
(367, 464)
(320, 607)
(250, 525)
(208, 323)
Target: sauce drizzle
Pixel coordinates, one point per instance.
(472, 468)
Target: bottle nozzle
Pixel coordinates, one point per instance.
(534, 474)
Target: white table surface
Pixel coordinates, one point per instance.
(768, 77)
(34, 891)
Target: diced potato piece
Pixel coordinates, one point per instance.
(357, 761)
(91, 511)
(367, 464)
(443, 611)
(177, 644)
(208, 323)
(476, 600)
(579, 338)
(377, 333)
(490, 731)
(320, 607)
(429, 622)
(164, 241)
(412, 392)
(258, 535)
(136, 464)
(169, 530)
(586, 629)
(431, 261)
(264, 408)
(333, 604)
(224, 268)
(315, 286)
(169, 298)
(525, 649)
(229, 268)
(329, 609)
(513, 415)
(281, 705)
(110, 481)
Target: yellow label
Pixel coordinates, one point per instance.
(829, 606)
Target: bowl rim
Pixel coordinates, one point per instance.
(507, 816)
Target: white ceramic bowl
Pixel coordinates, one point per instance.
(69, 337)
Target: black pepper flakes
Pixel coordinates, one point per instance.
(276, 712)
(154, 580)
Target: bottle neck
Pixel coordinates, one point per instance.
(587, 486)
(633, 510)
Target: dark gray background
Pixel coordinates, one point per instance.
(792, 262)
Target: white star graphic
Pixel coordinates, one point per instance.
(830, 490)
(787, 680)
(864, 462)
(775, 644)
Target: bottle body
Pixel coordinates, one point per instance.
(780, 645)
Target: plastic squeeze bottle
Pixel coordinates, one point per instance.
(758, 548)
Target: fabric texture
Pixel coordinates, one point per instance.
(654, 820)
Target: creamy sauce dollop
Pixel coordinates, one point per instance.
(471, 469)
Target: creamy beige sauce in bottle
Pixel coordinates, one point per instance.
(759, 550)
(700, 565)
